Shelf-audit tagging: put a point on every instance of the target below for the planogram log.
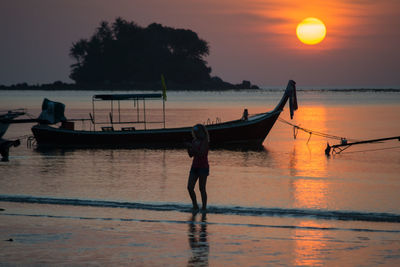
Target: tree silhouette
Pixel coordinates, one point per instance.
(125, 52)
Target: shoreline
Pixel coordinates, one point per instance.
(212, 85)
(46, 235)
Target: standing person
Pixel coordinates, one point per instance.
(200, 169)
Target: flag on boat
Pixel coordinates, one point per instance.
(164, 87)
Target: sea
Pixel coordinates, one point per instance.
(287, 204)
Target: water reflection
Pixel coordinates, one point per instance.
(52, 162)
(307, 157)
(309, 186)
(256, 157)
(310, 194)
(198, 242)
(308, 160)
(310, 189)
(310, 246)
(308, 164)
(164, 175)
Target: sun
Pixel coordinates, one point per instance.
(311, 31)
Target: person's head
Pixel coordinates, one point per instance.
(199, 131)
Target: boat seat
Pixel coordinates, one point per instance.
(128, 129)
(107, 129)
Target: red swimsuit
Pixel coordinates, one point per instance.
(200, 161)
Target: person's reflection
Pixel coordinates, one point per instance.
(198, 242)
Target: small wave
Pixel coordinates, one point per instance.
(203, 222)
(227, 210)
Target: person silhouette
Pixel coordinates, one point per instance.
(200, 168)
(245, 116)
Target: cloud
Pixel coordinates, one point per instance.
(247, 38)
(254, 18)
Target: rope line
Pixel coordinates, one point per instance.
(31, 116)
(342, 139)
(21, 137)
(369, 150)
(312, 132)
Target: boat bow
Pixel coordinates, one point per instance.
(291, 95)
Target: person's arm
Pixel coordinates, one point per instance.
(201, 149)
(189, 148)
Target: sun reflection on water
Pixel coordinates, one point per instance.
(310, 245)
(308, 166)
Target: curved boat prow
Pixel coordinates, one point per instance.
(290, 94)
(7, 117)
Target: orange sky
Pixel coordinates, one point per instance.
(252, 39)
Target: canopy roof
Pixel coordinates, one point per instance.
(126, 96)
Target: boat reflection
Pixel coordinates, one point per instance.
(198, 241)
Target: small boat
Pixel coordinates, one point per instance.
(247, 132)
(6, 117)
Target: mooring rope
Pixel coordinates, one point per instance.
(312, 132)
(30, 116)
(26, 136)
(330, 136)
(370, 150)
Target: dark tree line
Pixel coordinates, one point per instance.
(124, 52)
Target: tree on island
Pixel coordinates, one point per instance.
(124, 52)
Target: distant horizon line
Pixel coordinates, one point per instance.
(394, 88)
(271, 89)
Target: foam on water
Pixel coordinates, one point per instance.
(236, 210)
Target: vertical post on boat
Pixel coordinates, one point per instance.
(144, 112)
(119, 112)
(164, 95)
(163, 111)
(138, 117)
(94, 118)
(111, 114)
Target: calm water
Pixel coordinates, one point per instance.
(289, 204)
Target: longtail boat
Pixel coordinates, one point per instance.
(7, 117)
(249, 131)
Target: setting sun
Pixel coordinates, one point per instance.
(311, 31)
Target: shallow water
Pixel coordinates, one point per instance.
(288, 204)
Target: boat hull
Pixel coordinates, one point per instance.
(240, 133)
(7, 118)
(3, 128)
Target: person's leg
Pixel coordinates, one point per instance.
(190, 186)
(202, 186)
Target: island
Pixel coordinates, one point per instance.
(125, 56)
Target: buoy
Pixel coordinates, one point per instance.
(327, 149)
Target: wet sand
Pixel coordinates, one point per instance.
(75, 236)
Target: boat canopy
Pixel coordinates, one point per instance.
(136, 98)
(126, 96)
